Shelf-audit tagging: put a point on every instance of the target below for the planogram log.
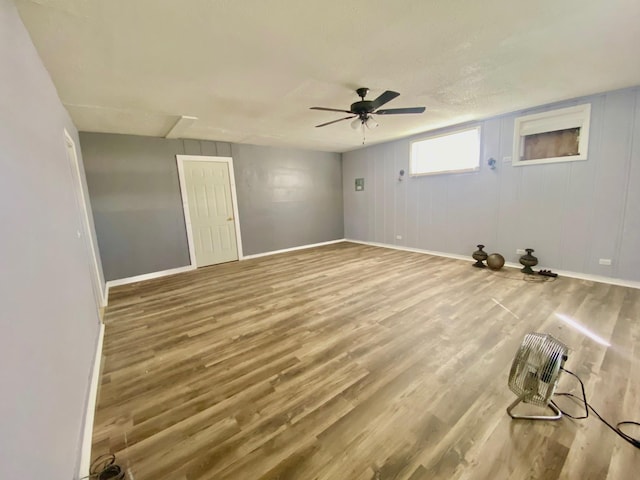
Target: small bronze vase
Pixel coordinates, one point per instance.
(479, 256)
(528, 261)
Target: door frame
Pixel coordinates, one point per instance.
(89, 238)
(180, 159)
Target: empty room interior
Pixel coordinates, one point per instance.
(338, 240)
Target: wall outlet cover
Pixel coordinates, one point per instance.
(520, 251)
(604, 261)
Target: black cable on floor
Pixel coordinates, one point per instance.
(584, 397)
(633, 441)
(524, 277)
(105, 468)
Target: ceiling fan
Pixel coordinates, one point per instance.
(363, 110)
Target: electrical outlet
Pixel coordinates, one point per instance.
(506, 159)
(604, 261)
(398, 237)
(520, 251)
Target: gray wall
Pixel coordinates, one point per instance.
(571, 213)
(137, 209)
(286, 198)
(48, 314)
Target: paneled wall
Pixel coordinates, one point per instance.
(286, 198)
(48, 312)
(573, 214)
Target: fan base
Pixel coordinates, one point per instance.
(362, 92)
(551, 405)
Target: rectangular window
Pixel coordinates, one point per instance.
(556, 136)
(447, 153)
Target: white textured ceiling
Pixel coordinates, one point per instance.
(250, 69)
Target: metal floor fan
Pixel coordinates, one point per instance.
(534, 374)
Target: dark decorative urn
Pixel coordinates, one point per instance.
(528, 261)
(480, 256)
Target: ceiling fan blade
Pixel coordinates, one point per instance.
(396, 111)
(330, 109)
(384, 98)
(335, 121)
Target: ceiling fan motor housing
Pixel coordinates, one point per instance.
(362, 108)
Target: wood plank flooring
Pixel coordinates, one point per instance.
(358, 362)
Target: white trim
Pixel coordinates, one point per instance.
(85, 452)
(181, 126)
(189, 268)
(180, 159)
(560, 119)
(146, 276)
(410, 249)
(236, 212)
(562, 273)
(70, 145)
(596, 278)
(185, 209)
(106, 294)
(293, 249)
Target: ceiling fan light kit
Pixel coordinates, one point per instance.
(363, 110)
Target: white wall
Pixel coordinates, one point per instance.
(48, 316)
(571, 213)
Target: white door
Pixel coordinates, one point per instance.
(211, 216)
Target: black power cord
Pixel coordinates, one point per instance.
(633, 441)
(105, 468)
(524, 277)
(584, 398)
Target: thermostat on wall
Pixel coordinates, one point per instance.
(359, 184)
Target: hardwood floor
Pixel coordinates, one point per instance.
(357, 362)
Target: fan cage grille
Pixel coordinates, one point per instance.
(536, 368)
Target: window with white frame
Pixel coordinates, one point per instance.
(452, 152)
(560, 135)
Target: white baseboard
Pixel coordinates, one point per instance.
(411, 249)
(146, 276)
(292, 249)
(595, 278)
(87, 435)
(103, 296)
(188, 268)
(562, 273)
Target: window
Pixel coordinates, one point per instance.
(447, 153)
(556, 136)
